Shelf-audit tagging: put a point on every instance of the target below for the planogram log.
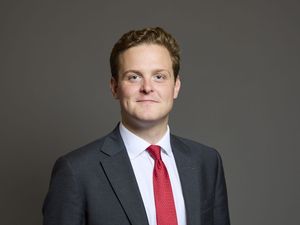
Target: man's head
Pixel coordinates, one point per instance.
(145, 36)
(145, 79)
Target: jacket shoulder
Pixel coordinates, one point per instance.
(86, 150)
(195, 147)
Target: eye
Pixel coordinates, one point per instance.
(160, 77)
(133, 77)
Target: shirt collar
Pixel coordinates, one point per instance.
(136, 145)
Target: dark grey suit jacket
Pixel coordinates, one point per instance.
(95, 185)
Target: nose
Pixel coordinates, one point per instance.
(146, 86)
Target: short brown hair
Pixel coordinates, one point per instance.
(148, 35)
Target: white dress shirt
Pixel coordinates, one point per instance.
(143, 165)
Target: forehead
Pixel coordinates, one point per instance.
(145, 56)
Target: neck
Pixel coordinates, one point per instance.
(151, 133)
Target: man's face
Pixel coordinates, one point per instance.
(146, 87)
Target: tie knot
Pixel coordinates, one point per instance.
(154, 151)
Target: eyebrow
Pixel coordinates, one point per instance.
(138, 72)
(162, 70)
(131, 71)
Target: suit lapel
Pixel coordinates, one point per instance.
(189, 180)
(119, 171)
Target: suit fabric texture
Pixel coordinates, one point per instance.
(95, 185)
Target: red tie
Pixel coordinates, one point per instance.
(164, 202)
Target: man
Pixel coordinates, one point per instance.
(140, 174)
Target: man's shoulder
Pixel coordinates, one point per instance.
(90, 151)
(195, 147)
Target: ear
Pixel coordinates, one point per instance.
(177, 87)
(114, 87)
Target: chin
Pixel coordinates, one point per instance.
(151, 120)
(149, 117)
(145, 118)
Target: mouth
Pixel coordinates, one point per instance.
(147, 100)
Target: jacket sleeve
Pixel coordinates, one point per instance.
(220, 211)
(63, 204)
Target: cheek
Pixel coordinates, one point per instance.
(169, 94)
(126, 92)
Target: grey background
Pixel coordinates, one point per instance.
(240, 94)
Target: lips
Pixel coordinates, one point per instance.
(147, 100)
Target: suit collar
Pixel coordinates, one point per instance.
(189, 180)
(120, 174)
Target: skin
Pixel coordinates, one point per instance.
(146, 89)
